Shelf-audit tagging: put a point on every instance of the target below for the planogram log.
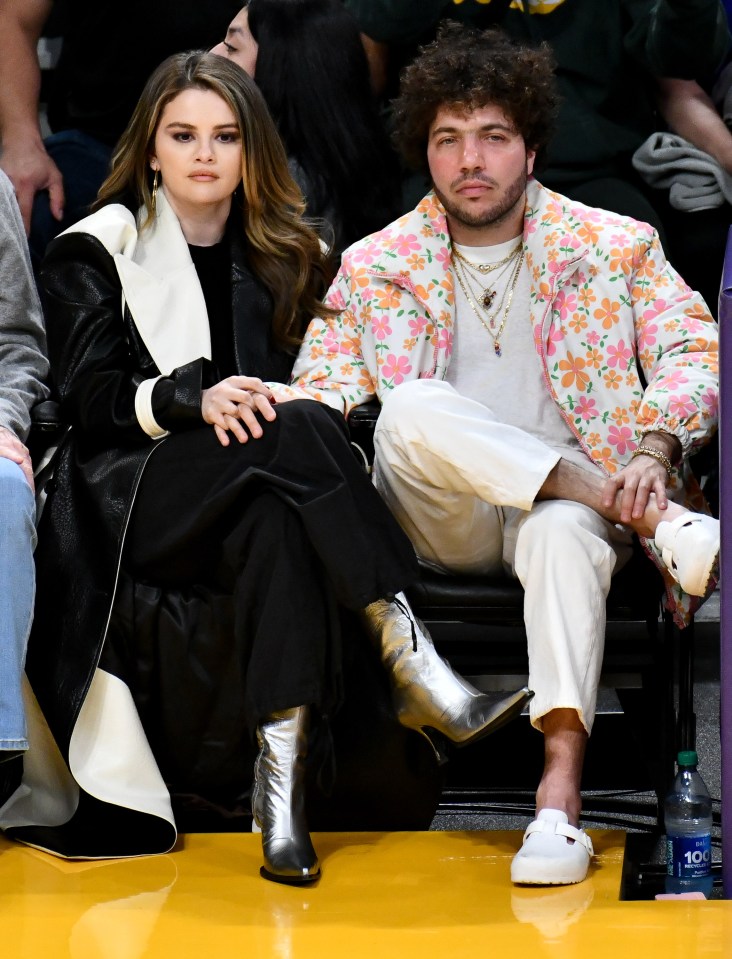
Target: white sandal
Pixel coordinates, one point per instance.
(546, 858)
(689, 547)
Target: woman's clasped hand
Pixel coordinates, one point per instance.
(233, 405)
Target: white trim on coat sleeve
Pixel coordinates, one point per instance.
(144, 411)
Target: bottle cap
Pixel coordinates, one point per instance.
(687, 757)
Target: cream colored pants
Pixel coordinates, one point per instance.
(463, 486)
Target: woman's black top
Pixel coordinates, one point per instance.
(213, 266)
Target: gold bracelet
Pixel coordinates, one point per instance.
(656, 454)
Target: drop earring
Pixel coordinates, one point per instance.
(154, 197)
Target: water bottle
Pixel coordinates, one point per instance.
(688, 820)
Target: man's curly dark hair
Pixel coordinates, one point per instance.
(468, 69)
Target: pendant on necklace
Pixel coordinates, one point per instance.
(488, 298)
(497, 348)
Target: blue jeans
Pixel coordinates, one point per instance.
(17, 589)
(84, 164)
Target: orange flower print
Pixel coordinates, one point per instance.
(621, 259)
(586, 297)
(347, 370)
(409, 344)
(594, 359)
(416, 262)
(612, 380)
(608, 312)
(388, 298)
(620, 415)
(588, 234)
(577, 323)
(594, 439)
(604, 457)
(573, 368)
(366, 380)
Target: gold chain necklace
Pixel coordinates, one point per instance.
(487, 294)
(495, 336)
(487, 267)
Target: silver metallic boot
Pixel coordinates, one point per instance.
(425, 690)
(278, 798)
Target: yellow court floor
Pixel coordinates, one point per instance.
(430, 895)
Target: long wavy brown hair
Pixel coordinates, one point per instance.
(283, 251)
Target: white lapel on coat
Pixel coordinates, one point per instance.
(163, 293)
(159, 282)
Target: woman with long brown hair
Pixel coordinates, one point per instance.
(172, 314)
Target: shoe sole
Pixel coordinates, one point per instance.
(506, 717)
(290, 880)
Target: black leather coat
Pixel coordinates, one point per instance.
(98, 360)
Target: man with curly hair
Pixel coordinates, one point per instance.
(544, 374)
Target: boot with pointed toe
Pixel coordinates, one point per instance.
(425, 690)
(278, 799)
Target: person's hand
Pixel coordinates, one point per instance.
(12, 449)
(231, 407)
(31, 170)
(642, 477)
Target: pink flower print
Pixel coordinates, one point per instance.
(396, 368)
(672, 379)
(364, 255)
(404, 245)
(417, 325)
(657, 307)
(381, 327)
(570, 241)
(619, 355)
(330, 341)
(565, 304)
(710, 401)
(694, 325)
(443, 339)
(648, 335)
(530, 225)
(593, 338)
(556, 335)
(443, 256)
(586, 409)
(617, 239)
(681, 406)
(620, 437)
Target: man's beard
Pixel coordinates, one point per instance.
(494, 215)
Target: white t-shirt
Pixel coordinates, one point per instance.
(511, 385)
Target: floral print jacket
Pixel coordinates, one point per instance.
(626, 346)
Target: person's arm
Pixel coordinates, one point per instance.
(96, 371)
(676, 344)
(679, 38)
(689, 111)
(23, 363)
(24, 157)
(330, 366)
